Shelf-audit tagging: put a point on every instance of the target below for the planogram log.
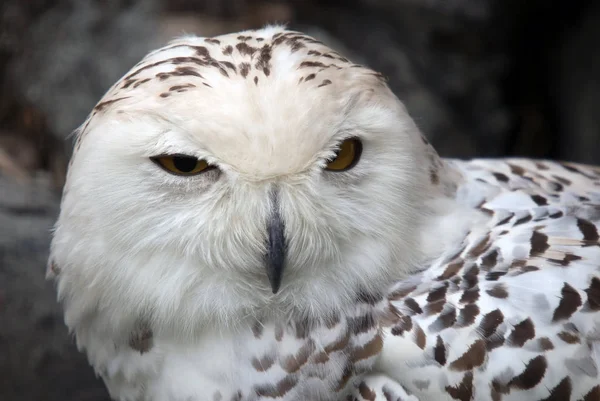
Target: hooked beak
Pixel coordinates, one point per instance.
(276, 246)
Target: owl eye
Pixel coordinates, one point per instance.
(181, 164)
(346, 156)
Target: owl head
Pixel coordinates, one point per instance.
(252, 174)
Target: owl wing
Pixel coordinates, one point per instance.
(514, 312)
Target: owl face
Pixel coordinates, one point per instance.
(236, 196)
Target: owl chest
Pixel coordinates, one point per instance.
(291, 362)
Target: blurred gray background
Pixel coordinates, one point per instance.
(480, 77)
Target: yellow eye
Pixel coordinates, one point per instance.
(181, 164)
(347, 156)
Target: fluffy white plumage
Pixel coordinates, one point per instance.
(406, 277)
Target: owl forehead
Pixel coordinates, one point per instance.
(257, 57)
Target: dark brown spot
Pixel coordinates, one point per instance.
(366, 392)
(245, 49)
(127, 83)
(467, 315)
(309, 77)
(263, 62)
(532, 375)
(568, 337)
(518, 170)
(593, 295)
(444, 321)
(141, 338)
(179, 87)
(490, 323)
(569, 303)
(472, 358)
(451, 270)
(522, 333)
(164, 94)
(494, 276)
(480, 247)
(244, 69)
(561, 392)
(541, 166)
(470, 296)
(321, 357)
(325, 82)
(539, 200)
(498, 291)
(186, 71)
(103, 105)
(213, 41)
(562, 180)
(556, 186)
(470, 278)
(588, 230)
(312, 64)
(433, 175)
(438, 294)
(439, 352)
(490, 259)
(523, 220)
(539, 243)
(143, 81)
(370, 349)
(228, 50)
(420, 338)
(433, 308)
(202, 51)
(294, 362)
(545, 344)
(263, 363)
(413, 305)
(405, 324)
(501, 177)
(279, 390)
(464, 390)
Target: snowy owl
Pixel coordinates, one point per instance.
(254, 217)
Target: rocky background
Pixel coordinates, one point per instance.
(484, 78)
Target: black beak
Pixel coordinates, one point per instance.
(276, 246)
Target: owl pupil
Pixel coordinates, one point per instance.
(185, 164)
